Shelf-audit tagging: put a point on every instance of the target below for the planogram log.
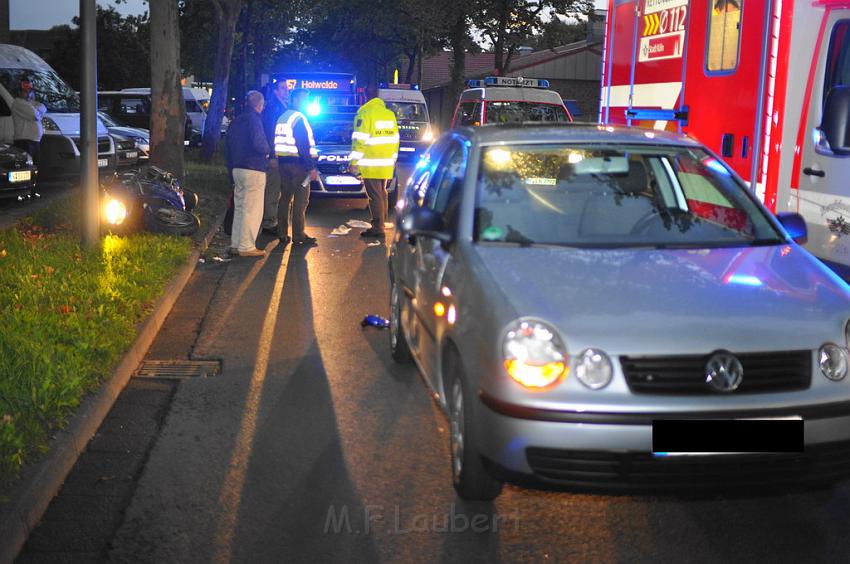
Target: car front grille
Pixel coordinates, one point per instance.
(102, 144)
(763, 372)
(634, 470)
(332, 168)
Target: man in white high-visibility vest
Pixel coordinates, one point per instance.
(374, 151)
(296, 152)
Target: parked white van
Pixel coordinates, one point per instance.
(197, 102)
(60, 155)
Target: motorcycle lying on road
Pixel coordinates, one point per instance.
(151, 198)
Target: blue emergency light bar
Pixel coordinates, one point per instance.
(509, 81)
(400, 86)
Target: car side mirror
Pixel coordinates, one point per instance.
(835, 125)
(425, 222)
(795, 225)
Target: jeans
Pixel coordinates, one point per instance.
(247, 208)
(376, 189)
(294, 198)
(272, 197)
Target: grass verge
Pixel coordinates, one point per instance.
(68, 315)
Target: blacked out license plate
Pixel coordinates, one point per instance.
(700, 437)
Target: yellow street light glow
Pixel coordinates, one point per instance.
(439, 309)
(115, 212)
(535, 376)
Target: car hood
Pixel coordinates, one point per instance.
(69, 124)
(131, 132)
(675, 301)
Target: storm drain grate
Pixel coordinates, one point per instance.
(178, 369)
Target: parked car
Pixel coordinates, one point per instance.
(141, 137)
(134, 110)
(59, 156)
(573, 295)
(18, 174)
(126, 153)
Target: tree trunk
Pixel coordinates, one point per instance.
(168, 112)
(499, 44)
(228, 12)
(411, 62)
(458, 69)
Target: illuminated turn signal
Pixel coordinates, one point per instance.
(535, 376)
(439, 309)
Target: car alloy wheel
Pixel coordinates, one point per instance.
(398, 343)
(470, 478)
(456, 418)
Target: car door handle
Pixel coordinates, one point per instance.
(812, 172)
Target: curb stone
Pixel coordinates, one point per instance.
(42, 480)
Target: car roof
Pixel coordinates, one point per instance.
(572, 133)
(510, 93)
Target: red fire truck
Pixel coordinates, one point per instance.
(763, 83)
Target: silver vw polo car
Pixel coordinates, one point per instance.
(601, 306)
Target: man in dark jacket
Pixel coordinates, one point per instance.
(247, 153)
(277, 102)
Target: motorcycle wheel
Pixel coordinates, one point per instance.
(171, 221)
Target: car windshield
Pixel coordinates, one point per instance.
(333, 129)
(408, 111)
(519, 112)
(613, 196)
(108, 120)
(50, 90)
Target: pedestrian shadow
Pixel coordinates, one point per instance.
(297, 501)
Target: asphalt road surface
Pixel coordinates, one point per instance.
(313, 446)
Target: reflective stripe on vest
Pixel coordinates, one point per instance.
(284, 135)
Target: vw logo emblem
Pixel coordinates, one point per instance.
(724, 372)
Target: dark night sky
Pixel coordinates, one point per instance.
(44, 14)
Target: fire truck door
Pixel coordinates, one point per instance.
(821, 173)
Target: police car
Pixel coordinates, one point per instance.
(332, 127)
(500, 100)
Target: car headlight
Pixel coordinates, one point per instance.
(30, 162)
(593, 369)
(142, 143)
(429, 135)
(833, 361)
(48, 124)
(115, 211)
(534, 354)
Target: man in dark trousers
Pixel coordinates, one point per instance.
(295, 149)
(247, 154)
(276, 103)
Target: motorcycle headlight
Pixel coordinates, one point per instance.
(833, 361)
(534, 354)
(48, 124)
(593, 369)
(114, 211)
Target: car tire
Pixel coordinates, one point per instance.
(469, 477)
(398, 342)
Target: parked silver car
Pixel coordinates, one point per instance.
(603, 306)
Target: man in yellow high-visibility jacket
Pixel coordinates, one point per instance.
(374, 151)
